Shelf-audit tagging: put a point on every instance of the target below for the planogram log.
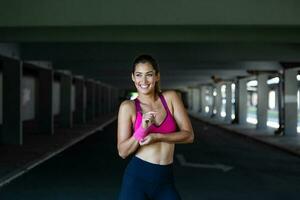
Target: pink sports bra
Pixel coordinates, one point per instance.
(168, 125)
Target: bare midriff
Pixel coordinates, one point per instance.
(158, 153)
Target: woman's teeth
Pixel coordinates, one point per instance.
(144, 86)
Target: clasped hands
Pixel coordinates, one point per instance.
(142, 133)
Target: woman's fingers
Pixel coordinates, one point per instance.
(149, 116)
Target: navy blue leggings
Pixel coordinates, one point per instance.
(144, 180)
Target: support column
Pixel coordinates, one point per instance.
(210, 102)
(66, 117)
(45, 106)
(98, 100)
(203, 99)
(190, 99)
(280, 105)
(114, 97)
(109, 103)
(218, 101)
(80, 113)
(290, 102)
(90, 92)
(12, 132)
(262, 101)
(101, 91)
(196, 99)
(241, 100)
(228, 108)
(104, 97)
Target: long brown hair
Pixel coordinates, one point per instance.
(145, 58)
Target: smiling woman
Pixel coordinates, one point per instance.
(149, 126)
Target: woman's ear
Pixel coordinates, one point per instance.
(158, 76)
(132, 77)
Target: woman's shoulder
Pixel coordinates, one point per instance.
(170, 94)
(127, 106)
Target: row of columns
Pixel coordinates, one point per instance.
(288, 111)
(92, 99)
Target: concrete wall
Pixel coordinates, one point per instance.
(28, 97)
(155, 12)
(56, 98)
(73, 94)
(11, 50)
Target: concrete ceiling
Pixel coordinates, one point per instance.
(181, 64)
(192, 40)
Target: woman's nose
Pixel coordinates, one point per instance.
(144, 79)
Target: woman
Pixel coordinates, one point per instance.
(150, 126)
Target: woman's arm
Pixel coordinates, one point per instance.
(185, 133)
(127, 144)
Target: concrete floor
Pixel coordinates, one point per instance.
(92, 170)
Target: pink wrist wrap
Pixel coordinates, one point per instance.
(140, 133)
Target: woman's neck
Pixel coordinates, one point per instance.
(148, 98)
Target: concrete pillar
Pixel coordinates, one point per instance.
(98, 100)
(196, 99)
(45, 106)
(108, 97)
(210, 101)
(90, 99)
(218, 101)
(80, 112)
(104, 100)
(190, 99)
(241, 100)
(101, 92)
(290, 102)
(66, 116)
(202, 99)
(12, 132)
(228, 107)
(114, 99)
(262, 101)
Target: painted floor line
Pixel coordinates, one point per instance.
(183, 162)
(13, 175)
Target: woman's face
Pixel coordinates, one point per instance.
(145, 78)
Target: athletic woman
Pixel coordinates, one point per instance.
(149, 127)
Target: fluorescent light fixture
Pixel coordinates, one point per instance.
(252, 83)
(274, 80)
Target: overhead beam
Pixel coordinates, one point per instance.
(149, 33)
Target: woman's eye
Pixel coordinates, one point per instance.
(150, 75)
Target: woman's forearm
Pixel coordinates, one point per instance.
(176, 137)
(128, 147)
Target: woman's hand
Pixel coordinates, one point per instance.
(149, 139)
(148, 119)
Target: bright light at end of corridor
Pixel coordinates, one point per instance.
(206, 109)
(223, 114)
(232, 116)
(251, 120)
